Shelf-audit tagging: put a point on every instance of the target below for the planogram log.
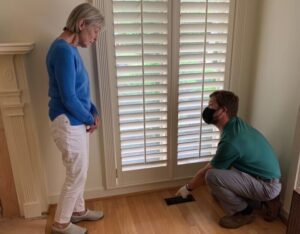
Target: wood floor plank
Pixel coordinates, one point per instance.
(149, 214)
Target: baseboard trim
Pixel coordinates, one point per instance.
(95, 193)
(284, 215)
(32, 209)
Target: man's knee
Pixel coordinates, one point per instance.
(211, 176)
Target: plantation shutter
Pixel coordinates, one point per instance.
(141, 43)
(202, 55)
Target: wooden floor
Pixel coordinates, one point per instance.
(148, 214)
(22, 226)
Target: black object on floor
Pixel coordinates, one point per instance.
(179, 199)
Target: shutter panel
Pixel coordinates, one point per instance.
(202, 58)
(140, 33)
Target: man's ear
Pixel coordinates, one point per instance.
(225, 109)
(81, 24)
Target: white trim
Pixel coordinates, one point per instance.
(104, 63)
(284, 213)
(230, 45)
(293, 174)
(173, 94)
(296, 152)
(16, 48)
(102, 193)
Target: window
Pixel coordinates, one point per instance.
(141, 49)
(166, 58)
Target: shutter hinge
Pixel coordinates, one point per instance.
(116, 173)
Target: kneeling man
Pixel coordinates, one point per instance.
(244, 167)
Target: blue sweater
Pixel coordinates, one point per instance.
(69, 89)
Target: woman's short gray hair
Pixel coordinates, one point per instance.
(86, 12)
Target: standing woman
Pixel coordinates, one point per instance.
(72, 113)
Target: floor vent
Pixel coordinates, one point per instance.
(179, 199)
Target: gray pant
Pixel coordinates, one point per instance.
(233, 188)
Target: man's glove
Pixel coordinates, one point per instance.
(183, 191)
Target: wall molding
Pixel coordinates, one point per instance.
(101, 192)
(16, 48)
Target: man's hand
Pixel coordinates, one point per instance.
(183, 192)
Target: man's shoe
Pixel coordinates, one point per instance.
(271, 209)
(236, 221)
(70, 229)
(90, 215)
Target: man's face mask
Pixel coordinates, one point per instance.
(208, 115)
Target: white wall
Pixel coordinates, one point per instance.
(41, 21)
(245, 29)
(276, 81)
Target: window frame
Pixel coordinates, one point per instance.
(107, 90)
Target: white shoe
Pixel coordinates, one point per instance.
(90, 215)
(70, 229)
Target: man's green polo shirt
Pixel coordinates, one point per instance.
(246, 149)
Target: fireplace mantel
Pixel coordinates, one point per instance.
(20, 130)
(15, 48)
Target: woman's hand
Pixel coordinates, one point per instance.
(92, 128)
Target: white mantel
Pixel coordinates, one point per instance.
(20, 130)
(15, 48)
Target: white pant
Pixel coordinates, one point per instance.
(73, 142)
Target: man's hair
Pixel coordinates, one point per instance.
(227, 99)
(86, 12)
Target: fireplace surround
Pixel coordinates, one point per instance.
(20, 130)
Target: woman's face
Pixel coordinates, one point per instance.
(88, 35)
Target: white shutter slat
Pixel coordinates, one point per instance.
(198, 47)
(138, 99)
(138, 163)
(127, 17)
(212, 76)
(125, 136)
(197, 86)
(150, 142)
(151, 150)
(198, 58)
(201, 17)
(133, 118)
(126, 6)
(136, 39)
(198, 37)
(196, 137)
(195, 153)
(155, 6)
(200, 7)
(148, 80)
(137, 60)
(200, 28)
(198, 68)
(153, 122)
(191, 146)
(148, 108)
(131, 17)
